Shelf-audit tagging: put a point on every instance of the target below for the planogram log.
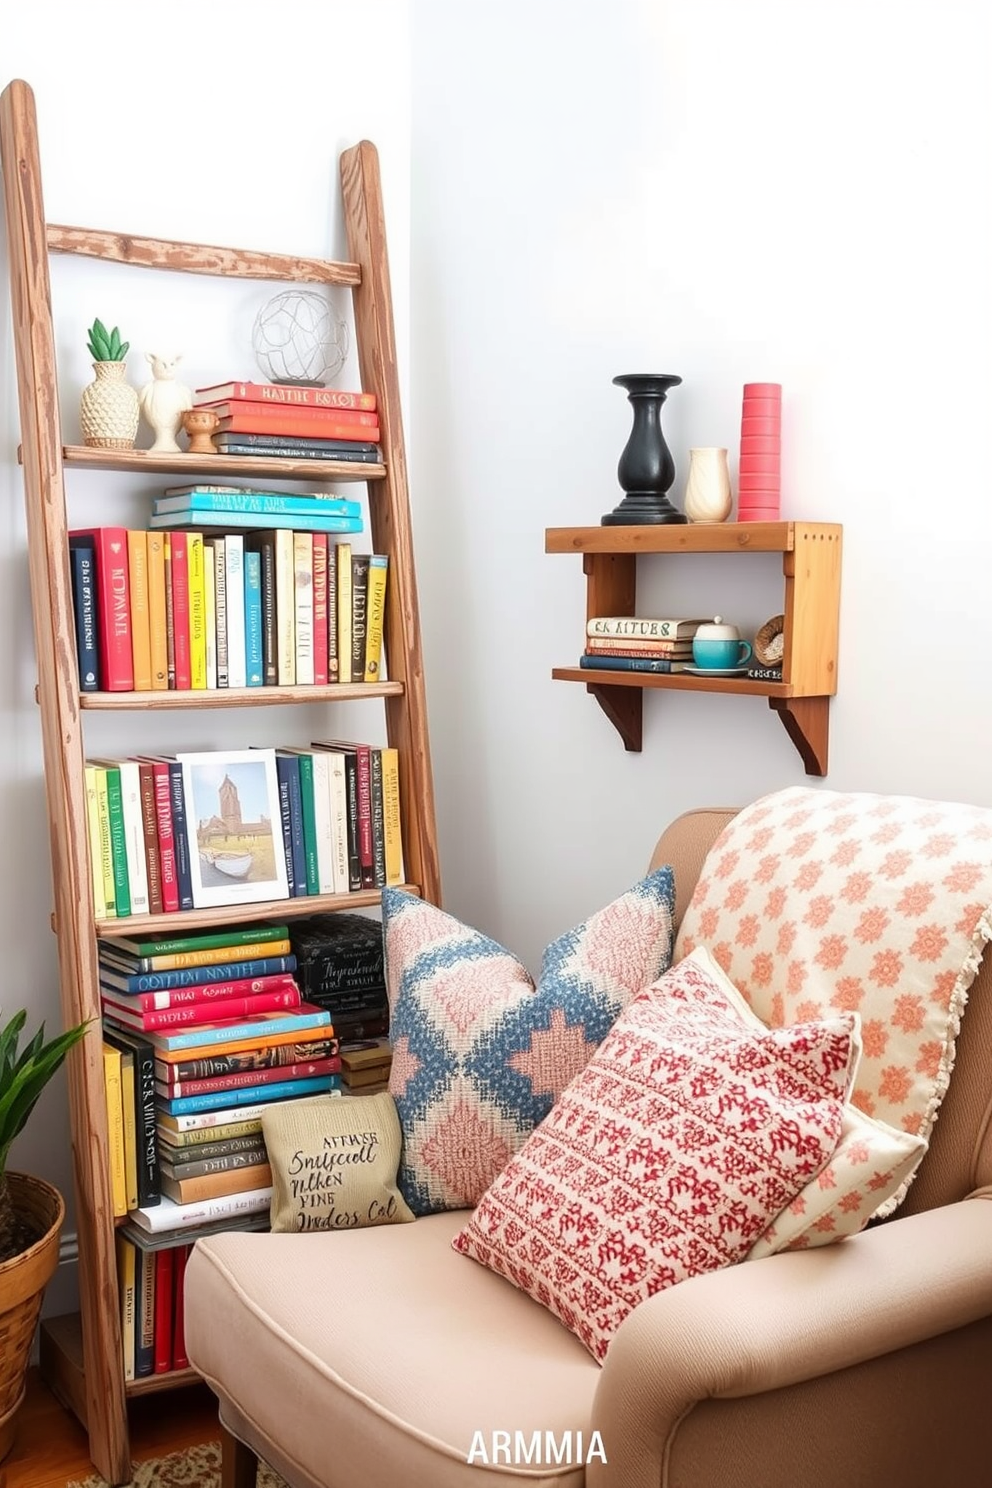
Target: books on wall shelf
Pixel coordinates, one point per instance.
(632, 643)
(294, 422)
(198, 608)
(168, 833)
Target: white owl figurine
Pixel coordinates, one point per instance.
(163, 401)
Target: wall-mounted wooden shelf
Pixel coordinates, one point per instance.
(811, 563)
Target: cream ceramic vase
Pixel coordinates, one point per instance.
(707, 491)
(108, 408)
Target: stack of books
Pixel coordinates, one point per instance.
(194, 831)
(193, 610)
(630, 643)
(212, 1034)
(365, 1066)
(340, 966)
(293, 422)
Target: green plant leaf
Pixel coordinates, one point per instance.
(115, 344)
(125, 347)
(22, 1079)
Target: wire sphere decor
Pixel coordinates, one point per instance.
(298, 337)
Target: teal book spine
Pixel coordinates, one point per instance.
(273, 503)
(629, 664)
(261, 1027)
(189, 516)
(308, 802)
(254, 658)
(218, 1100)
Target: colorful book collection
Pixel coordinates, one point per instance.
(196, 610)
(281, 420)
(630, 643)
(151, 1295)
(200, 1033)
(328, 822)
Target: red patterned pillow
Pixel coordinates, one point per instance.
(668, 1156)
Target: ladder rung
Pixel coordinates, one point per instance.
(198, 258)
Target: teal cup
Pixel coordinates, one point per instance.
(720, 654)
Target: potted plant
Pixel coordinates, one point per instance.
(31, 1211)
(108, 408)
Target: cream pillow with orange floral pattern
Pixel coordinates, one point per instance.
(815, 902)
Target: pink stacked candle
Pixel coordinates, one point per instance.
(759, 485)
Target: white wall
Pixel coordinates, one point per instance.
(222, 126)
(770, 191)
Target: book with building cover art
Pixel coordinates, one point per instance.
(234, 827)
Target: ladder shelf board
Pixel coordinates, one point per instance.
(239, 697)
(152, 1384)
(193, 467)
(187, 920)
(198, 258)
(718, 537)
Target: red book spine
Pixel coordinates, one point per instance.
(166, 841)
(164, 1268)
(113, 597)
(366, 860)
(244, 1079)
(180, 609)
(320, 609)
(255, 418)
(179, 1356)
(275, 393)
(150, 1002)
(229, 1010)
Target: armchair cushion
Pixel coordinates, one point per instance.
(818, 901)
(479, 1052)
(667, 1157)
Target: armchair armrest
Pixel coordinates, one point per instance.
(766, 1324)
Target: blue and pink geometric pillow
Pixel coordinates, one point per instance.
(480, 1054)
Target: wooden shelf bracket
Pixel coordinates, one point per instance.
(806, 722)
(624, 707)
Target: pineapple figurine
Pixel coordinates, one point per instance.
(108, 408)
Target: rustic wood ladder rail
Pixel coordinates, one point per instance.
(82, 1357)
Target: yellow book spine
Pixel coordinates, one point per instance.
(285, 609)
(157, 635)
(344, 612)
(210, 614)
(106, 844)
(127, 1283)
(115, 1128)
(197, 612)
(217, 955)
(93, 833)
(130, 1129)
(141, 648)
(392, 819)
(375, 615)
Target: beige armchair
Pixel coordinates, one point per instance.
(382, 1358)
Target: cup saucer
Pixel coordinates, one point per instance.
(698, 671)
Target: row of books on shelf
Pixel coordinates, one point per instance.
(203, 1032)
(279, 410)
(195, 611)
(151, 1296)
(198, 830)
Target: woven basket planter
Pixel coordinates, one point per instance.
(22, 1285)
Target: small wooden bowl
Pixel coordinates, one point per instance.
(200, 424)
(769, 643)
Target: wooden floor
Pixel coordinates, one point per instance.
(51, 1450)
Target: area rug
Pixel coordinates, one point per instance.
(196, 1467)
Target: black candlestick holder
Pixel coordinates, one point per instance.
(646, 469)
